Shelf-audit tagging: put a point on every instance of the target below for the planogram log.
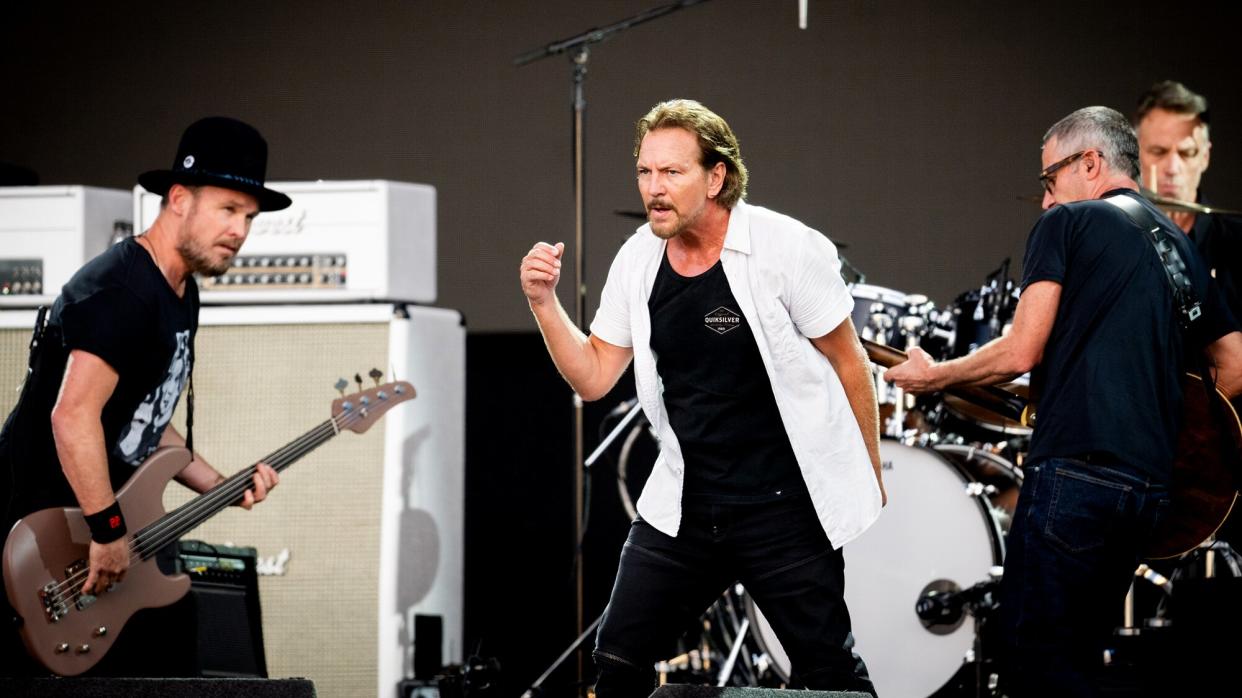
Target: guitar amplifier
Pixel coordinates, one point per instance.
(364, 535)
(365, 240)
(46, 233)
(225, 587)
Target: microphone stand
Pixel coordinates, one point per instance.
(579, 49)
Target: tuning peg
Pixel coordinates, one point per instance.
(376, 375)
(358, 380)
(341, 385)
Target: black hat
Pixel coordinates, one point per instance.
(220, 152)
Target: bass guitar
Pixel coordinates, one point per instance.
(1204, 484)
(45, 557)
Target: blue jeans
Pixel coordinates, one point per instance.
(777, 549)
(1076, 539)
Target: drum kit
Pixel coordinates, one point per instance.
(930, 563)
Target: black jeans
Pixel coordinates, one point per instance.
(776, 548)
(1077, 536)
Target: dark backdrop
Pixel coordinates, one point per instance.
(907, 130)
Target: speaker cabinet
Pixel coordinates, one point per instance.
(362, 534)
(225, 587)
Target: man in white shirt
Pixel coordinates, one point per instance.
(749, 370)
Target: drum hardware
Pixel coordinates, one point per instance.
(943, 605)
(536, 688)
(848, 269)
(1161, 582)
(722, 626)
(981, 315)
(1213, 558)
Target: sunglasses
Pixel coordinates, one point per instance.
(1048, 178)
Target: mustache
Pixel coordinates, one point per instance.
(660, 203)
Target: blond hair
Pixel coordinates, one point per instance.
(716, 141)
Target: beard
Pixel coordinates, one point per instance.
(674, 227)
(200, 260)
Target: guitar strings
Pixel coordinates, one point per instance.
(215, 499)
(166, 529)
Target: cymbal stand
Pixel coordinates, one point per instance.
(536, 688)
(739, 624)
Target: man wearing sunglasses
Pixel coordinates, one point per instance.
(1098, 325)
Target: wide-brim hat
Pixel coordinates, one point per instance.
(219, 152)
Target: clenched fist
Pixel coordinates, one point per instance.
(540, 270)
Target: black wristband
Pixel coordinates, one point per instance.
(107, 525)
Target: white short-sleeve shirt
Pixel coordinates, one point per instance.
(787, 281)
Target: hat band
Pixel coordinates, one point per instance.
(221, 175)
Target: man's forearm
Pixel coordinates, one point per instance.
(855, 375)
(569, 348)
(79, 446)
(994, 362)
(199, 475)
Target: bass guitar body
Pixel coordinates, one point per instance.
(45, 559)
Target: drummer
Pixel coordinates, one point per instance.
(1174, 152)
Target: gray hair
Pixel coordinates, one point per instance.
(1102, 128)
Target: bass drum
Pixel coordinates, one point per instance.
(934, 533)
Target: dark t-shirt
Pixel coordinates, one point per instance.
(717, 392)
(120, 308)
(1219, 240)
(1110, 378)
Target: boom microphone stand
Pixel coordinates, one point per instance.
(579, 49)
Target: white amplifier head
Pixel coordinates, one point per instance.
(48, 232)
(364, 240)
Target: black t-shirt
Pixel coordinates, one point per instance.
(1219, 240)
(120, 308)
(717, 392)
(1110, 378)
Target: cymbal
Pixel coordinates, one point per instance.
(1164, 202)
(1177, 206)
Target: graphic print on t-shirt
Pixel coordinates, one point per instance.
(722, 320)
(140, 437)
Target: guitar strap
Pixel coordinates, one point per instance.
(1188, 305)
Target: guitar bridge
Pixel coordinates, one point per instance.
(56, 597)
(54, 606)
